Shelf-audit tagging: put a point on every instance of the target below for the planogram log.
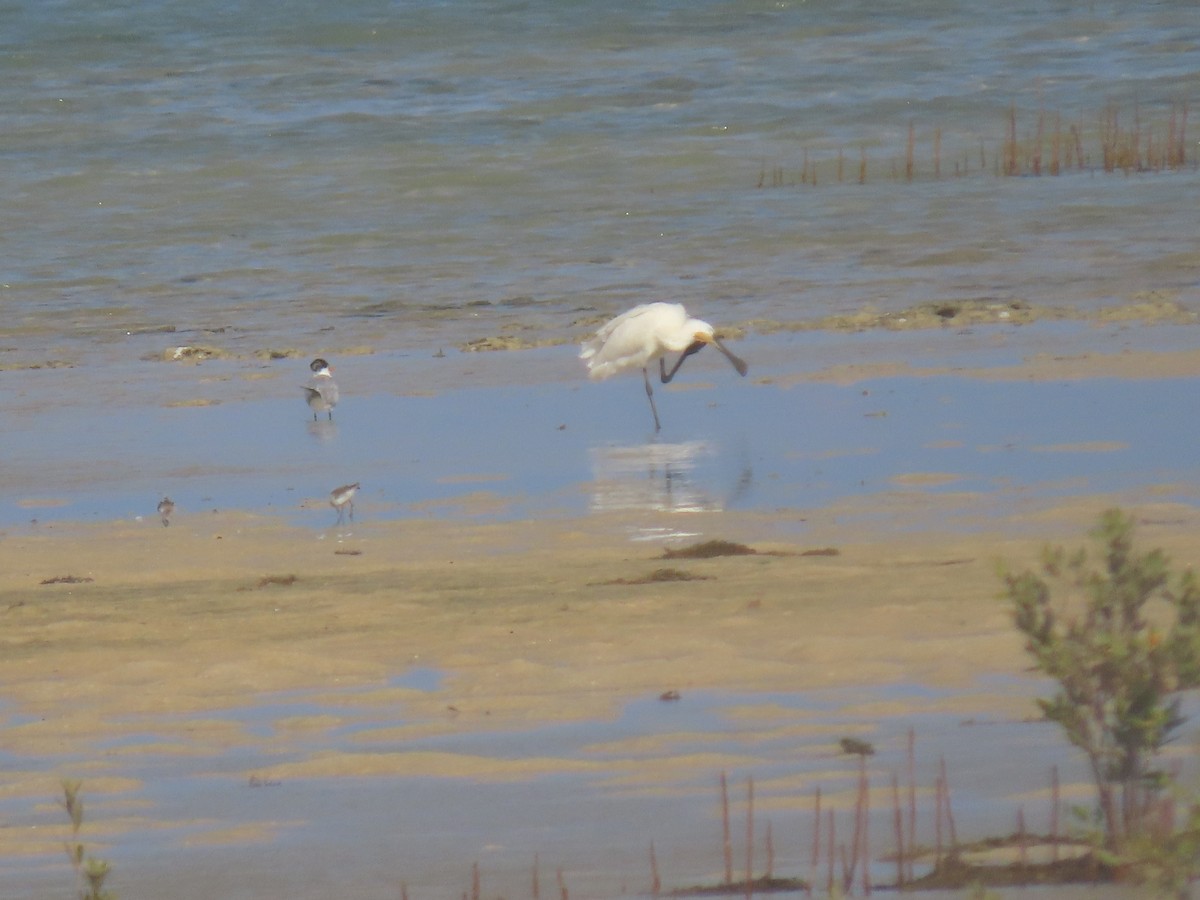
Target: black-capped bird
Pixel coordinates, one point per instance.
(321, 392)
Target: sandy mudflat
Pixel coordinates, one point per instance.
(128, 650)
(533, 621)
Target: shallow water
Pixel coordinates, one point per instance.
(559, 447)
(648, 774)
(403, 179)
(373, 833)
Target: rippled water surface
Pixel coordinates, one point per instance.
(405, 178)
(425, 173)
(382, 181)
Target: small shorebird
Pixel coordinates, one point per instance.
(166, 506)
(321, 392)
(341, 498)
(634, 339)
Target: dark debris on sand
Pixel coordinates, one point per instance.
(709, 550)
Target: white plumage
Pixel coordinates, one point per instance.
(634, 339)
(321, 392)
(342, 498)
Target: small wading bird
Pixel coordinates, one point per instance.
(342, 498)
(166, 506)
(321, 392)
(645, 333)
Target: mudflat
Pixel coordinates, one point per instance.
(126, 640)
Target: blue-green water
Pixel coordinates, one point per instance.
(418, 174)
(407, 177)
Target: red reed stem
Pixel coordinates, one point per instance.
(750, 836)
(728, 841)
(1054, 802)
(911, 842)
(898, 824)
(815, 860)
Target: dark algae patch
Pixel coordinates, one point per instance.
(660, 575)
(763, 885)
(709, 550)
(954, 873)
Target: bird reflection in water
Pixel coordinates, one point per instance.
(657, 476)
(322, 431)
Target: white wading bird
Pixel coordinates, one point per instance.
(321, 392)
(648, 332)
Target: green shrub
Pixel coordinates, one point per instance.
(1121, 637)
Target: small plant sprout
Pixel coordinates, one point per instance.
(90, 872)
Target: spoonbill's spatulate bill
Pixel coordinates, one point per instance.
(634, 339)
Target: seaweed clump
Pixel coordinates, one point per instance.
(709, 550)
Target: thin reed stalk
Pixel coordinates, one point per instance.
(898, 825)
(946, 799)
(910, 152)
(865, 795)
(770, 872)
(1136, 149)
(938, 787)
(815, 859)
(1182, 155)
(1036, 156)
(1010, 143)
(1022, 838)
(1055, 799)
(655, 881)
(911, 841)
(727, 839)
(859, 824)
(750, 836)
(831, 854)
(1056, 147)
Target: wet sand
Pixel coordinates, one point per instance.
(525, 624)
(239, 692)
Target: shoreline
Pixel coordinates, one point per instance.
(227, 434)
(189, 346)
